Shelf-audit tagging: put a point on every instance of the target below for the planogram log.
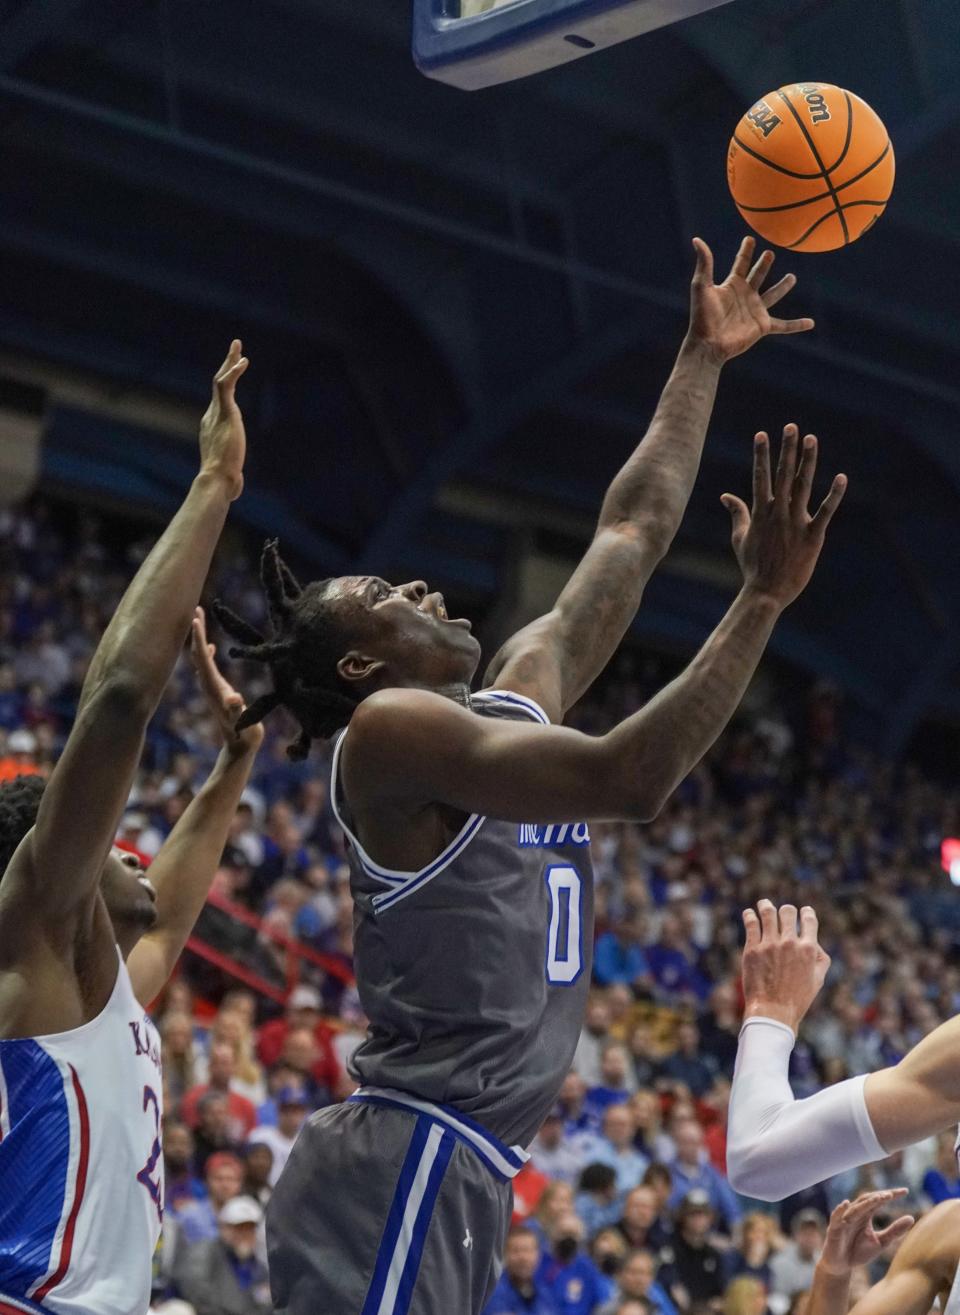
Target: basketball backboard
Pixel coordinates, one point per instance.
(477, 43)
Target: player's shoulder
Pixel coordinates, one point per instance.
(393, 728)
(933, 1245)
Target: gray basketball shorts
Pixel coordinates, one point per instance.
(390, 1205)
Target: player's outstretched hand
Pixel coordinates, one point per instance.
(778, 542)
(729, 317)
(853, 1240)
(223, 440)
(783, 969)
(225, 702)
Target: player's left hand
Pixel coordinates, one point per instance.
(853, 1240)
(225, 702)
(729, 317)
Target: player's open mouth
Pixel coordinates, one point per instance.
(148, 886)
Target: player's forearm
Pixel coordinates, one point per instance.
(652, 490)
(659, 745)
(830, 1294)
(920, 1096)
(185, 866)
(147, 633)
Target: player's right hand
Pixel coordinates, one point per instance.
(778, 542)
(851, 1237)
(223, 440)
(783, 971)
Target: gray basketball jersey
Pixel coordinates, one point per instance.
(474, 971)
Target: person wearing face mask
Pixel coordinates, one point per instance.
(578, 1286)
(223, 1276)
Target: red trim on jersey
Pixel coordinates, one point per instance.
(79, 1187)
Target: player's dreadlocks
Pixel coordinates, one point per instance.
(302, 654)
(19, 805)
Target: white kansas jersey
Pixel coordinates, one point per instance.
(81, 1192)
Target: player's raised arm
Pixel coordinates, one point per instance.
(182, 871)
(556, 658)
(414, 748)
(778, 1145)
(59, 864)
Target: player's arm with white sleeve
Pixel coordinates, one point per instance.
(407, 749)
(557, 657)
(182, 871)
(777, 1145)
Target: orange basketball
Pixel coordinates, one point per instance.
(811, 167)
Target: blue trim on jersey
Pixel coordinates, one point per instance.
(388, 899)
(34, 1162)
(509, 1155)
(518, 701)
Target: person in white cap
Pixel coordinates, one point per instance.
(225, 1275)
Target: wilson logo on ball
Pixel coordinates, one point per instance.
(819, 110)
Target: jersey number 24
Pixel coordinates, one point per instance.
(565, 929)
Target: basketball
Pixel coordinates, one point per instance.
(811, 167)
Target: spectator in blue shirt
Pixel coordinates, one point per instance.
(618, 956)
(942, 1183)
(577, 1284)
(692, 1171)
(616, 1148)
(615, 1089)
(519, 1291)
(636, 1282)
(687, 1065)
(598, 1201)
(671, 960)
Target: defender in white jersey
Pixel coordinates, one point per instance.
(924, 1275)
(87, 941)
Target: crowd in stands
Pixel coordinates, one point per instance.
(624, 1207)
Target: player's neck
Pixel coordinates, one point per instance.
(458, 693)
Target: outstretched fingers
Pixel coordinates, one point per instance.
(762, 485)
(225, 380)
(751, 927)
(787, 465)
(803, 485)
(895, 1231)
(758, 275)
(777, 291)
(803, 325)
(704, 270)
(829, 505)
(741, 266)
(768, 919)
(809, 925)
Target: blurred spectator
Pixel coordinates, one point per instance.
(212, 1132)
(637, 1282)
(793, 1266)
(303, 1011)
(179, 1053)
(687, 1065)
(692, 1171)
(598, 1199)
(745, 1296)
(241, 1113)
(596, 1028)
(181, 1185)
(222, 1275)
(942, 1182)
(650, 1137)
(608, 1251)
(19, 759)
(617, 1148)
(692, 1268)
(519, 1291)
(642, 1226)
(293, 1106)
(577, 1285)
(573, 1102)
(619, 958)
(752, 1258)
(223, 1180)
(555, 1200)
(258, 1169)
(557, 1155)
(616, 1085)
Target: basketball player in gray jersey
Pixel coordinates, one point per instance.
(469, 851)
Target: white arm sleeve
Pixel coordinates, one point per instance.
(777, 1145)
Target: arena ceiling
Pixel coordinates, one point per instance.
(460, 307)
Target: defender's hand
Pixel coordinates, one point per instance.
(225, 702)
(778, 543)
(729, 317)
(223, 441)
(782, 972)
(851, 1237)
